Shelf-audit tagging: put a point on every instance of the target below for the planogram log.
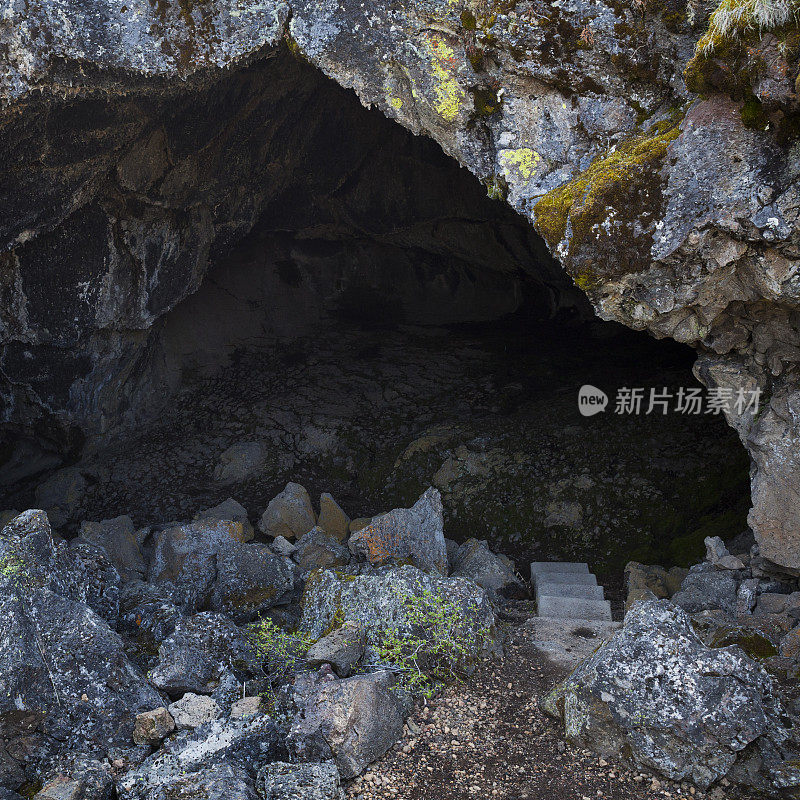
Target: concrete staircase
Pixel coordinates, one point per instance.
(567, 590)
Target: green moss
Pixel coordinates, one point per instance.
(753, 643)
(468, 20)
(753, 115)
(583, 202)
(496, 187)
(485, 102)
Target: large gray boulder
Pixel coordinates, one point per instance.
(282, 781)
(221, 781)
(217, 752)
(118, 538)
(196, 655)
(64, 673)
(377, 601)
(414, 535)
(353, 721)
(318, 550)
(705, 588)
(250, 579)
(207, 564)
(655, 692)
(494, 572)
(289, 514)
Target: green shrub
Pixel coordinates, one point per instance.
(275, 652)
(434, 645)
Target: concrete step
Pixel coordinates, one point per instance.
(574, 608)
(572, 578)
(568, 590)
(541, 567)
(567, 642)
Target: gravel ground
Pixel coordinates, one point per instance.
(487, 738)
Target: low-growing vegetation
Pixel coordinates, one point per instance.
(433, 646)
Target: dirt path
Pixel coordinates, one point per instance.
(488, 739)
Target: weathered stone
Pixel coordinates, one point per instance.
(746, 596)
(194, 710)
(790, 644)
(642, 578)
(656, 693)
(222, 781)
(250, 579)
(353, 721)
(718, 555)
(770, 603)
(229, 689)
(415, 534)
(206, 564)
(240, 462)
(341, 648)
(705, 589)
(246, 707)
(229, 510)
(196, 654)
(318, 550)
(118, 538)
(79, 778)
(184, 560)
(62, 663)
(147, 617)
(61, 494)
(282, 781)
(495, 573)
(201, 763)
(153, 726)
(282, 546)
(376, 601)
(289, 514)
(332, 519)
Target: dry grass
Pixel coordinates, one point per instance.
(735, 18)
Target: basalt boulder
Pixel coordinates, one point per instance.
(352, 721)
(658, 694)
(378, 601)
(414, 535)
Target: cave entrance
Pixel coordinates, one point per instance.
(384, 326)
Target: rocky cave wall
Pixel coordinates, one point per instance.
(670, 200)
(190, 234)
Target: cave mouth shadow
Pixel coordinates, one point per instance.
(379, 323)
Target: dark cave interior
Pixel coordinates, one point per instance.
(323, 283)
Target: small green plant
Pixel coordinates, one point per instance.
(275, 653)
(434, 644)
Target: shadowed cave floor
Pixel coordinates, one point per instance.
(488, 413)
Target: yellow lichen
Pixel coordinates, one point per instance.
(396, 103)
(449, 94)
(603, 189)
(522, 162)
